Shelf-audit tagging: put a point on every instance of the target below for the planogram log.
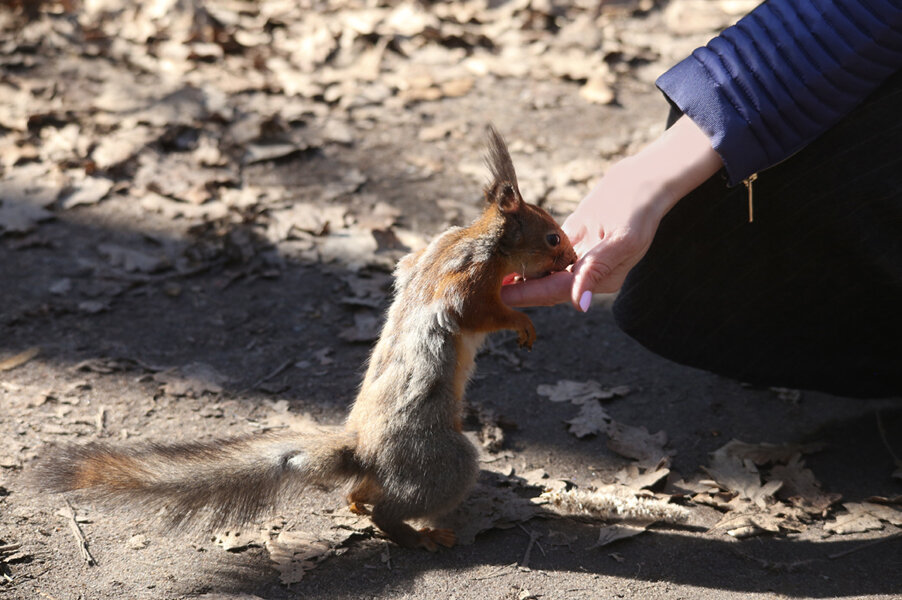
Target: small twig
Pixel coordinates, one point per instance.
(386, 554)
(785, 567)
(498, 572)
(100, 419)
(866, 545)
(274, 372)
(140, 279)
(533, 536)
(19, 359)
(69, 513)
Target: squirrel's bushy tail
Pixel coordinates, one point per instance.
(215, 484)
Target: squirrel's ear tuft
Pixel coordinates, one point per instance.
(505, 196)
(508, 198)
(503, 189)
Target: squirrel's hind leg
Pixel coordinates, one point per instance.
(365, 492)
(404, 535)
(445, 537)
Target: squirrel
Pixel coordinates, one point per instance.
(401, 450)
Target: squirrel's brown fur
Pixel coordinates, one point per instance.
(401, 448)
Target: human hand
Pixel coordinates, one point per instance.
(611, 229)
(614, 225)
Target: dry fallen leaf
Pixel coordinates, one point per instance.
(487, 507)
(635, 478)
(801, 488)
(539, 478)
(628, 441)
(704, 16)
(132, 260)
(636, 443)
(367, 289)
(864, 516)
(92, 307)
(106, 365)
(619, 531)
(236, 540)
(192, 380)
(556, 537)
(580, 392)
(255, 153)
(744, 525)
(763, 453)
(295, 553)
(121, 145)
(598, 90)
(381, 216)
(366, 328)
(176, 175)
(353, 248)
(592, 419)
(306, 217)
(208, 211)
(16, 217)
(751, 506)
(734, 474)
(86, 190)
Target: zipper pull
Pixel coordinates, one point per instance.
(748, 183)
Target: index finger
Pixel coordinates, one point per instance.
(547, 291)
(574, 229)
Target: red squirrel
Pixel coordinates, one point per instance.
(401, 450)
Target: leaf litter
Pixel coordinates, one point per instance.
(758, 488)
(165, 126)
(185, 100)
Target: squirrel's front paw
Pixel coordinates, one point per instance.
(527, 335)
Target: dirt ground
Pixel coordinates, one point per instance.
(201, 203)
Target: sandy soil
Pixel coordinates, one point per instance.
(264, 317)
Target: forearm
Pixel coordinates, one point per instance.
(784, 74)
(674, 164)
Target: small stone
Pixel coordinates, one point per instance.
(138, 542)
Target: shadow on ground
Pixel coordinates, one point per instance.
(247, 315)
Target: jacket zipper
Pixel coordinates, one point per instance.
(748, 181)
(748, 184)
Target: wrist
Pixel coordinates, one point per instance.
(678, 162)
(649, 185)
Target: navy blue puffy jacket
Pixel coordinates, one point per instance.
(784, 74)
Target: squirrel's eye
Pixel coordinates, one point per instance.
(553, 239)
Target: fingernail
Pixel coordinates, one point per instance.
(585, 300)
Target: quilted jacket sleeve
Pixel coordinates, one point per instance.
(784, 74)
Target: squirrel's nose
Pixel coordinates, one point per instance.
(571, 257)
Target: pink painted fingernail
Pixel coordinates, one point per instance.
(585, 300)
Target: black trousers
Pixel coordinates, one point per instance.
(809, 295)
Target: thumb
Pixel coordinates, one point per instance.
(574, 229)
(591, 272)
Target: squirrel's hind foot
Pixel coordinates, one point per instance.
(430, 539)
(359, 509)
(404, 535)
